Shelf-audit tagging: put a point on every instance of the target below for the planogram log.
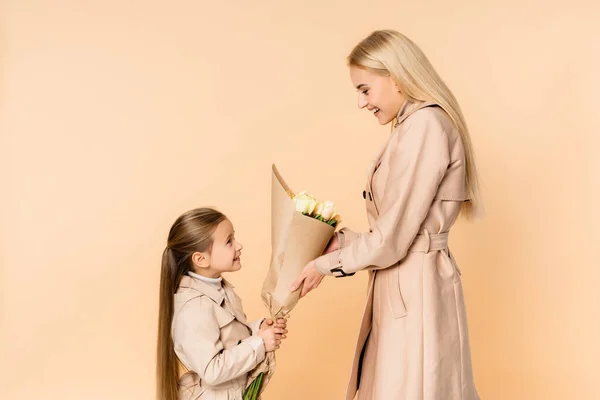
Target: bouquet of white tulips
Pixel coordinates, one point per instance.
(301, 227)
(323, 211)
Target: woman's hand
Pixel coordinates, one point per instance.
(310, 277)
(332, 246)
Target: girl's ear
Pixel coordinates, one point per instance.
(200, 260)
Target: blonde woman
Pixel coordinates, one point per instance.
(413, 342)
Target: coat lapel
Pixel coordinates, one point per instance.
(234, 307)
(407, 109)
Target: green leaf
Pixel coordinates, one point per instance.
(251, 393)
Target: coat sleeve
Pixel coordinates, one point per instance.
(255, 326)
(418, 163)
(196, 337)
(346, 236)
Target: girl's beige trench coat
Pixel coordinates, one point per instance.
(413, 342)
(214, 342)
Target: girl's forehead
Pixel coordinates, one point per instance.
(224, 229)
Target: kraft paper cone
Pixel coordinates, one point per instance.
(296, 239)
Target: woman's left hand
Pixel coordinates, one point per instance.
(311, 278)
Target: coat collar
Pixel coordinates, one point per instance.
(187, 282)
(408, 108)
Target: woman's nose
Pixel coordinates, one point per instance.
(362, 102)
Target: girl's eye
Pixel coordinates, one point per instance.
(365, 92)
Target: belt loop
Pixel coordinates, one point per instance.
(427, 240)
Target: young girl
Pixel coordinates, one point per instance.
(201, 321)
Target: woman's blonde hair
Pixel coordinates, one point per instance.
(192, 232)
(390, 53)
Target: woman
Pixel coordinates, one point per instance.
(413, 342)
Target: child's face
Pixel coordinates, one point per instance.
(226, 251)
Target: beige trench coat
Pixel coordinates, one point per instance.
(214, 342)
(413, 342)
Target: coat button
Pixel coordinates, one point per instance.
(364, 194)
(370, 197)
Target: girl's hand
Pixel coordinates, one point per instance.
(280, 325)
(271, 338)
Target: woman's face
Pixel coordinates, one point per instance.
(378, 93)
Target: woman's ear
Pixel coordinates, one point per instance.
(200, 260)
(396, 87)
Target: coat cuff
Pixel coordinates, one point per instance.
(258, 345)
(341, 239)
(255, 326)
(329, 264)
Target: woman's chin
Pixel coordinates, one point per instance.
(383, 120)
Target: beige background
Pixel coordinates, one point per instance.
(117, 116)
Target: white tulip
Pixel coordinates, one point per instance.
(318, 209)
(305, 203)
(328, 210)
(310, 206)
(337, 217)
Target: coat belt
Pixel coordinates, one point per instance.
(426, 242)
